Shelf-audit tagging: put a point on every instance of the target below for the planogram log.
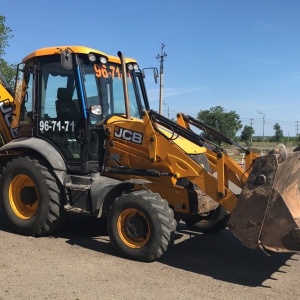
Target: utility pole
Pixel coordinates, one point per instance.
(297, 127)
(161, 57)
(168, 108)
(251, 125)
(264, 117)
(297, 132)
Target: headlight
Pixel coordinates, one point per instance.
(103, 59)
(96, 110)
(92, 57)
(131, 67)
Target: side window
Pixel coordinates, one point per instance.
(92, 95)
(133, 101)
(48, 107)
(118, 93)
(140, 91)
(118, 104)
(27, 106)
(58, 100)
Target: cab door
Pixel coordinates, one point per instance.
(59, 110)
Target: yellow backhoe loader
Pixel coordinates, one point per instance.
(81, 138)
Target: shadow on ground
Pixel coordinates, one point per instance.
(220, 256)
(223, 257)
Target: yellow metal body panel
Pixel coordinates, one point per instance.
(139, 156)
(157, 152)
(188, 146)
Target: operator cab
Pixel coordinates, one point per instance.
(67, 93)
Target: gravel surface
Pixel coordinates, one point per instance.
(80, 263)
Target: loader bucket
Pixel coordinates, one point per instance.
(267, 214)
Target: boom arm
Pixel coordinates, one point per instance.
(220, 162)
(186, 120)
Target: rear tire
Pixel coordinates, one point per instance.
(141, 225)
(30, 201)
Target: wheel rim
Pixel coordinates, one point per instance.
(133, 228)
(23, 196)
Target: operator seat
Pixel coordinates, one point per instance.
(65, 106)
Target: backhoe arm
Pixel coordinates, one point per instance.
(6, 109)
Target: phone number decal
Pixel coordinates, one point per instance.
(102, 71)
(57, 125)
(109, 71)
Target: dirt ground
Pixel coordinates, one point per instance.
(80, 263)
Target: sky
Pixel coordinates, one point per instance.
(241, 55)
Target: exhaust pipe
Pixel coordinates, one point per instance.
(125, 86)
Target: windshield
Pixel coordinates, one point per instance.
(104, 86)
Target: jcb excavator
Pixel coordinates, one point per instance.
(78, 135)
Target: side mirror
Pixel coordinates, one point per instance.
(155, 73)
(66, 60)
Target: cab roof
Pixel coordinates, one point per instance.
(75, 49)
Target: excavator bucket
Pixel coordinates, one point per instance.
(267, 214)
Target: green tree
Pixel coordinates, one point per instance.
(278, 133)
(8, 70)
(246, 134)
(216, 117)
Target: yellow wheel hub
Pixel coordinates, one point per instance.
(23, 196)
(133, 228)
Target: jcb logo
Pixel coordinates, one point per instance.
(128, 135)
(6, 111)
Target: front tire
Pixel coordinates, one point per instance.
(141, 225)
(30, 201)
